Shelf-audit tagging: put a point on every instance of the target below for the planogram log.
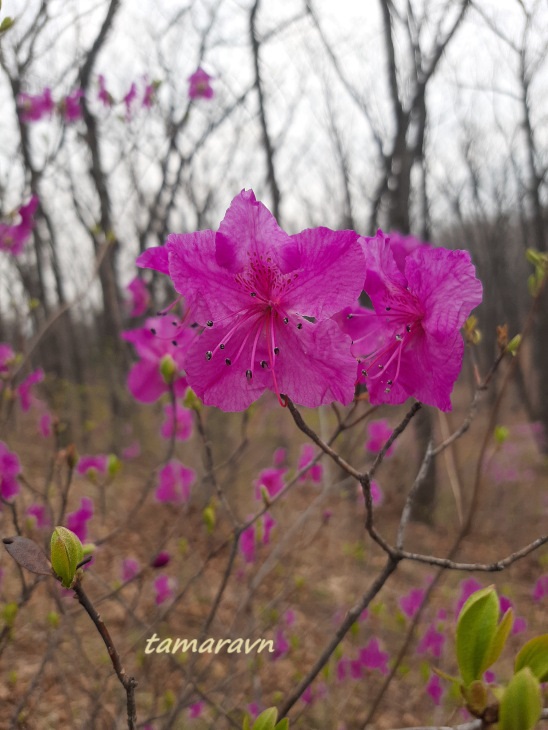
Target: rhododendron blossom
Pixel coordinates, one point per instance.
(32, 108)
(410, 345)
(307, 456)
(271, 480)
(371, 657)
(177, 423)
(70, 106)
(411, 602)
(200, 85)
(24, 390)
(7, 356)
(92, 466)
(14, 237)
(164, 589)
(435, 689)
(378, 433)
(10, 468)
(38, 512)
(265, 300)
(103, 95)
(174, 483)
(139, 297)
(130, 568)
(77, 521)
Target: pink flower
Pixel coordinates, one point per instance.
(129, 98)
(315, 473)
(92, 466)
(281, 645)
(431, 643)
(378, 433)
(269, 523)
(467, 587)
(195, 710)
(153, 343)
(182, 425)
(77, 521)
(132, 451)
(265, 300)
(376, 493)
(33, 108)
(200, 85)
(103, 95)
(175, 480)
(130, 568)
(279, 457)
(401, 246)
(70, 106)
(7, 356)
(415, 326)
(520, 625)
(149, 94)
(163, 586)
(247, 544)
(411, 602)
(434, 689)
(14, 237)
(139, 296)
(38, 511)
(45, 424)
(10, 468)
(160, 560)
(541, 588)
(24, 389)
(271, 479)
(371, 657)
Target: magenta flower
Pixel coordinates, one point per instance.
(38, 511)
(149, 94)
(92, 466)
(431, 643)
(132, 451)
(103, 95)
(70, 107)
(411, 602)
(175, 480)
(415, 326)
(371, 657)
(247, 544)
(45, 424)
(14, 237)
(195, 710)
(164, 589)
(269, 523)
(139, 297)
(160, 560)
(130, 568)
(24, 390)
(154, 343)
(378, 433)
(129, 98)
(281, 645)
(434, 689)
(32, 108)
(541, 588)
(467, 587)
(271, 479)
(401, 246)
(200, 85)
(181, 424)
(7, 357)
(10, 468)
(265, 300)
(315, 473)
(279, 457)
(77, 521)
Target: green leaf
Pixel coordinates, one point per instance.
(534, 654)
(283, 724)
(499, 639)
(521, 704)
(476, 629)
(246, 726)
(6, 24)
(266, 720)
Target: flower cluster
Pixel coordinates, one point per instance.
(279, 312)
(13, 237)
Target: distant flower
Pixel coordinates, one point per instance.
(38, 511)
(182, 424)
(200, 85)
(253, 710)
(520, 625)
(13, 238)
(24, 390)
(160, 560)
(130, 568)
(160, 338)
(92, 466)
(415, 325)
(70, 107)
(376, 493)
(139, 296)
(247, 544)
(265, 300)
(132, 451)
(7, 356)
(307, 456)
(195, 710)
(149, 94)
(32, 108)
(77, 521)
(431, 643)
(467, 587)
(281, 645)
(129, 98)
(371, 657)
(411, 602)
(271, 479)
(163, 587)
(435, 689)
(103, 95)
(269, 523)
(378, 433)
(10, 468)
(279, 457)
(175, 480)
(541, 588)
(45, 424)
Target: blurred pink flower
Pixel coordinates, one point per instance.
(130, 568)
(70, 106)
(247, 544)
(200, 85)
(183, 422)
(467, 587)
(149, 93)
(175, 480)
(281, 645)
(371, 657)
(7, 356)
(103, 95)
(32, 108)
(14, 237)
(129, 98)
(91, 466)
(77, 521)
(435, 689)
(164, 589)
(139, 297)
(378, 433)
(541, 588)
(411, 602)
(132, 451)
(268, 525)
(315, 473)
(279, 457)
(431, 643)
(271, 479)
(45, 424)
(160, 560)
(195, 710)
(10, 468)
(376, 493)
(24, 390)
(38, 511)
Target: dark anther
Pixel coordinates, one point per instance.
(174, 323)
(408, 327)
(364, 373)
(300, 326)
(209, 323)
(248, 374)
(276, 350)
(286, 320)
(153, 330)
(228, 361)
(389, 382)
(221, 347)
(174, 343)
(263, 363)
(381, 367)
(399, 338)
(388, 309)
(253, 294)
(209, 355)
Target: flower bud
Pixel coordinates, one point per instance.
(114, 465)
(168, 369)
(66, 553)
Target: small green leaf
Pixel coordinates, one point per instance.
(208, 516)
(6, 24)
(501, 434)
(245, 726)
(266, 720)
(534, 654)
(66, 553)
(476, 629)
(499, 639)
(513, 346)
(283, 724)
(521, 705)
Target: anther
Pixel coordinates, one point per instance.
(221, 347)
(389, 382)
(381, 367)
(175, 324)
(263, 363)
(248, 374)
(286, 320)
(174, 343)
(399, 338)
(388, 308)
(276, 350)
(209, 355)
(228, 361)
(387, 390)
(209, 323)
(300, 326)
(153, 330)
(253, 294)
(364, 373)
(408, 327)
(349, 316)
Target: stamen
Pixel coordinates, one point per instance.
(209, 355)
(209, 323)
(300, 326)
(153, 330)
(286, 320)
(276, 350)
(248, 374)
(228, 361)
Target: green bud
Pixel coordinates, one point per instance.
(66, 553)
(208, 516)
(192, 401)
(53, 619)
(513, 345)
(501, 434)
(9, 612)
(114, 465)
(6, 24)
(168, 369)
(88, 548)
